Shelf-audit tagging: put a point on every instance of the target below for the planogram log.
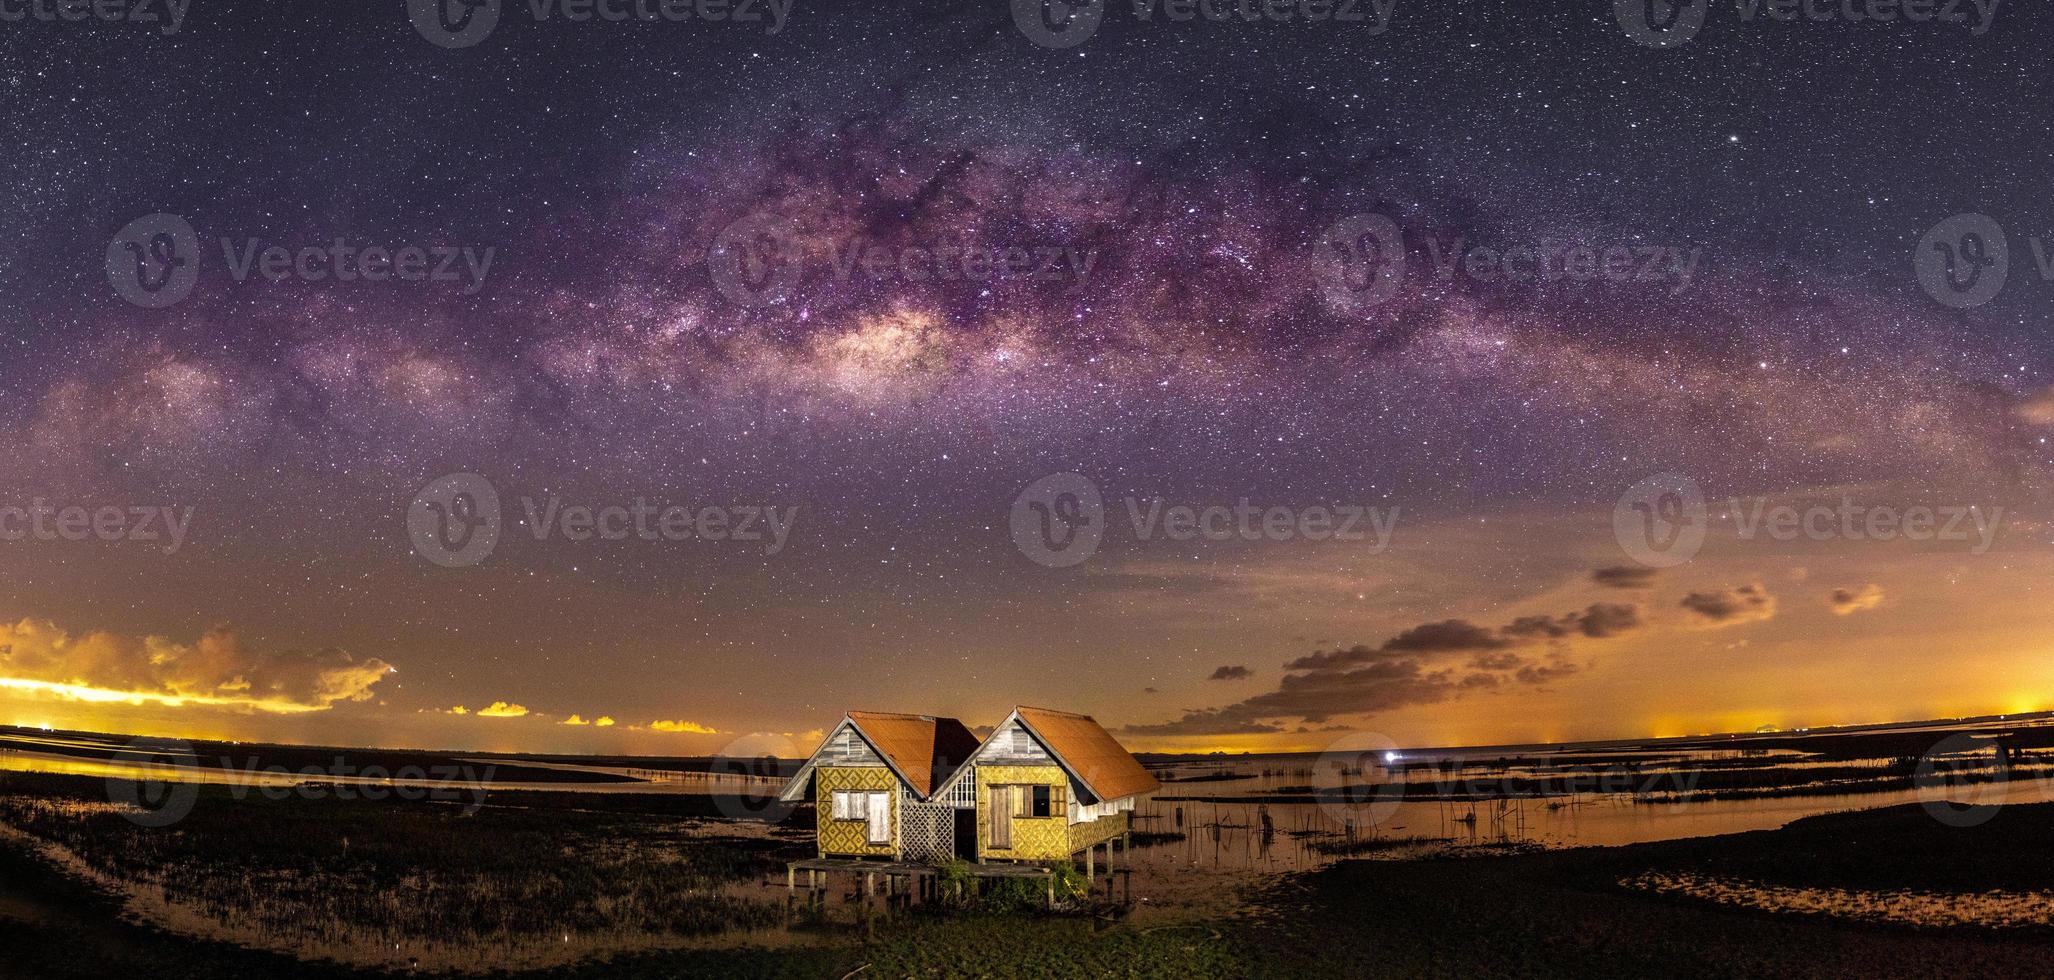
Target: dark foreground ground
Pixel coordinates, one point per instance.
(1545, 914)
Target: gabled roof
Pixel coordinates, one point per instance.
(922, 750)
(1084, 750)
(1089, 753)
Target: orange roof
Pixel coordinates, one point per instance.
(924, 749)
(1090, 753)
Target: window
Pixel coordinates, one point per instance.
(870, 806)
(1036, 801)
(856, 804)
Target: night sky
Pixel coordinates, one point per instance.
(1176, 326)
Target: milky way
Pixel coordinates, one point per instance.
(1156, 308)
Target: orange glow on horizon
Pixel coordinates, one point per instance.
(97, 695)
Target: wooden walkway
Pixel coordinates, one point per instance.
(910, 878)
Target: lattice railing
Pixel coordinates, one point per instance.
(963, 795)
(927, 831)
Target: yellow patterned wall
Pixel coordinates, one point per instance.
(1083, 835)
(1034, 838)
(851, 837)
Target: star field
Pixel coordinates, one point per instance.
(1205, 354)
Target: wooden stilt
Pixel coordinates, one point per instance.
(1090, 863)
(790, 875)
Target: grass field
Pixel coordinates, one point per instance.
(521, 871)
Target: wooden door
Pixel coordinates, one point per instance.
(880, 818)
(1002, 816)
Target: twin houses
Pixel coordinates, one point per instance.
(1045, 785)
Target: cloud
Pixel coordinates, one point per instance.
(1410, 668)
(576, 721)
(218, 669)
(603, 721)
(682, 727)
(1599, 622)
(459, 710)
(1235, 673)
(1732, 607)
(1208, 721)
(1847, 602)
(1625, 577)
(501, 709)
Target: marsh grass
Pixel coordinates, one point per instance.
(383, 882)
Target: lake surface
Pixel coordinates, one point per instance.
(1222, 828)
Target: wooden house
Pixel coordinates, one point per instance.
(1044, 787)
(1048, 785)
(873, 782)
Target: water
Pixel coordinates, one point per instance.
(1219, 830)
